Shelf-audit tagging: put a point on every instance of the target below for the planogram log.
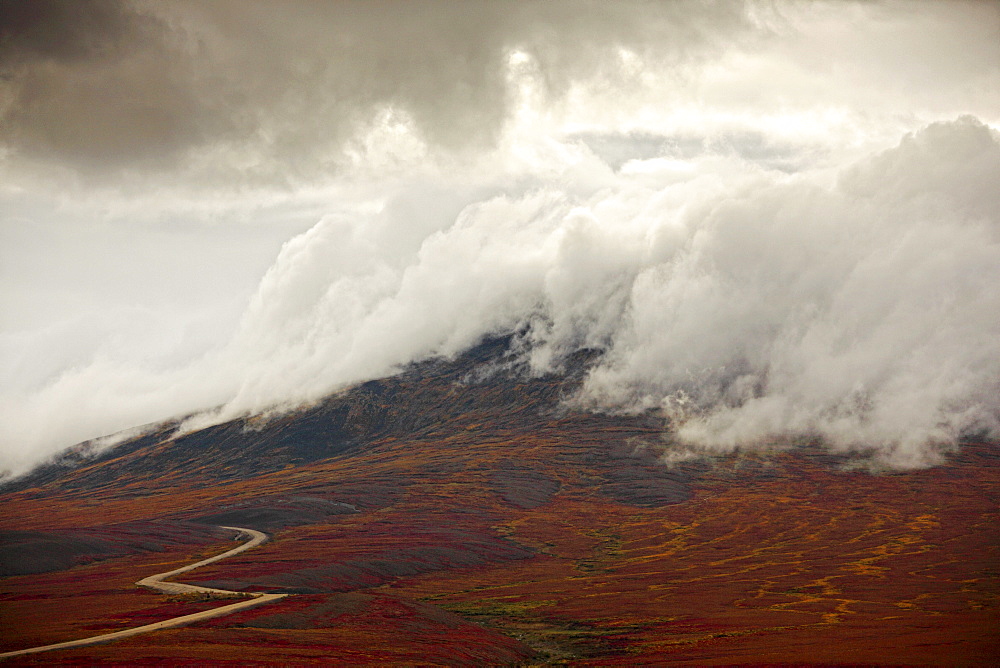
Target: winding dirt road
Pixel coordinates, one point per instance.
(157, 582)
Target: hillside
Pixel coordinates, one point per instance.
(462, 512)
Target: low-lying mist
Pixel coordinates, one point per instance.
(749, 304)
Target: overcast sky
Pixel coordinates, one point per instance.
(779, 219)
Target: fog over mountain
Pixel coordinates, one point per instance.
(778, 221)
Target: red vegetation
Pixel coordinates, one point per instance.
(484, 543)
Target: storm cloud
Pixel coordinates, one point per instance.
(777, 221)
(265, 90)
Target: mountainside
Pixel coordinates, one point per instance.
(462, 512)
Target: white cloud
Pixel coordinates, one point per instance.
(703, 192)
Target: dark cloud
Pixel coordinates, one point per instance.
(61, 31)
(135, 243)
(276, 87)
(93, 84)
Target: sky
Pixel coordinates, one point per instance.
(779, 220)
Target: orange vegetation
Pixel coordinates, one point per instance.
(563, 542)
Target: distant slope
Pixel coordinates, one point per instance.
(462, 513)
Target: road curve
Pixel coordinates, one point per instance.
(157, 582)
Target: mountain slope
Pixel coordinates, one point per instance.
(461, 512)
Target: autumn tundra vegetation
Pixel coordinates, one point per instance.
(464, 512)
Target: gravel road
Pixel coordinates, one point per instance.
(157, 582)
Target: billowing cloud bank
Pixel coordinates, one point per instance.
(748, 305)
(778, 220)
